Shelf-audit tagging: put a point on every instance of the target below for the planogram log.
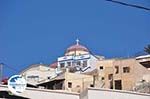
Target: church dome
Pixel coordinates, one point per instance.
(77, 47)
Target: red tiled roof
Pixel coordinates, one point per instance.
(77, 47)
(4, 81)
(53, 65)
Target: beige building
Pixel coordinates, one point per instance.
(38, 73)
(123, 74)
(72, 82)
(77, 82)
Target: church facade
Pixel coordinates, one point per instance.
(78, 59)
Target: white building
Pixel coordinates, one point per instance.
(38, 73)
(78, 59)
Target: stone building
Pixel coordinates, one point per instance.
(124, 74)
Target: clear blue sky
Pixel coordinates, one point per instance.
(34, 31)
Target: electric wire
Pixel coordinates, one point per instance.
(130, 5)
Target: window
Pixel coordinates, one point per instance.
(62, 65)
(126, 69)
(101, 67)
(110, 76)
(69, 84)
(118, 84)
(103, 78)
(78, 63)
(116, 69)
(68, 63)
(91, 85)
(48, 77)
(84, 63)
(73, 63)
(33, 77)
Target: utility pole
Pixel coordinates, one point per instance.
(1, 72)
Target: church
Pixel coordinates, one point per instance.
(78, 59)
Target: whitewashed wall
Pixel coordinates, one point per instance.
(114, 94)
(92, 94)
(43, 94)
(33, 93)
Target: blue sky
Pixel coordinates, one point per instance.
(34, 31)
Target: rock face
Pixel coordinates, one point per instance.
(144, 87)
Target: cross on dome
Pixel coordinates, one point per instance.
(77, 40)
(77, 47)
